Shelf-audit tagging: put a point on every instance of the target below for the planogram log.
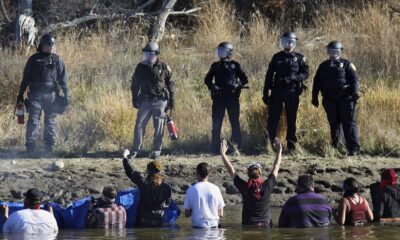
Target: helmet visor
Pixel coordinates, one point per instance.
(334, 53)
(222, 52)
(149, 57)
(287, 43)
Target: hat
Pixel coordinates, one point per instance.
(110, 192)
(34, 196)
(253, 165)
(154, 167)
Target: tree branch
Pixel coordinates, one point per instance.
(4, 11)
(185, 12)
(87, 18)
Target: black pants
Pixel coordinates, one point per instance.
(342, 112)
(219, 105)
(290, 99)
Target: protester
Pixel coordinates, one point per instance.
(256, 193)
(155, 194)
(105, 213)
(385, 196)
(203, 200)
(32, 219)
(307, 208)
(353, 208)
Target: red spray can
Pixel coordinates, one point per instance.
(171, 128)
(20, 113)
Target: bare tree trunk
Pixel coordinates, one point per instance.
(157, 28)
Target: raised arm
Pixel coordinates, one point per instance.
(131, 172)
(227, 163)
(277, 145)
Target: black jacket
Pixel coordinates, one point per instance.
(386, 203)
(286, 65)
(228, 76)
(44, 73)
(335, 80)
(153, 200)
(152, 81)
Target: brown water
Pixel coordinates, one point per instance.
(233, 230)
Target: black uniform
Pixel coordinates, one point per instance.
(44, 74)
(285, 76)
(153, 200)
(225, 93)
(338, 83)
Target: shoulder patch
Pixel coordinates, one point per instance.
(352, 67)
(168, 68)
(303, 59)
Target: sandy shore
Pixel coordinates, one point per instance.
(81, 177)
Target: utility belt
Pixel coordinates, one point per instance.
(153, 98)
(44, 90)
(336, 93)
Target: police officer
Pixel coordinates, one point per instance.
(44, 75)
(225, 92)
(337, 80)
(283, 85)
(153, 94)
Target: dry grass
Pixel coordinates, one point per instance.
(100, 67)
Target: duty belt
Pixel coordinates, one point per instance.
(154, 97)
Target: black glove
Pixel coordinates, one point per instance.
(214, 91)
(67, 101)
(135, 103)
(20, 98)
(355, 96)
(286, 81)
(215, 88)
(265, 99)
(315, 102)
(171, 103)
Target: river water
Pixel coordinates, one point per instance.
(233, 230)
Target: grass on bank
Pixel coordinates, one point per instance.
(101, 64)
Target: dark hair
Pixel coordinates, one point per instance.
(203, 170)
(304, 183)
(350, 187)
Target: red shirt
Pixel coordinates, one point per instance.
(358, 212)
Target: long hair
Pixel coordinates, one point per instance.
(350, 187)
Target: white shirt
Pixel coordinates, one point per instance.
(204, 199)
(31, 221)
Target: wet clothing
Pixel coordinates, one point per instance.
(107, 215)
(30, 221)
(307, 209)
(386, 201)
(204, 199)
(285, 80)
(44, 76)
(256, 203)
(228, 78)
(338, 83)
(152, 92)
(153, 200)
(358, 212)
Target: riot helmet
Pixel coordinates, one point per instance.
(224, 50)
(288, 41)
(334, 50)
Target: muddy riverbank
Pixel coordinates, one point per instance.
(64, 180)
